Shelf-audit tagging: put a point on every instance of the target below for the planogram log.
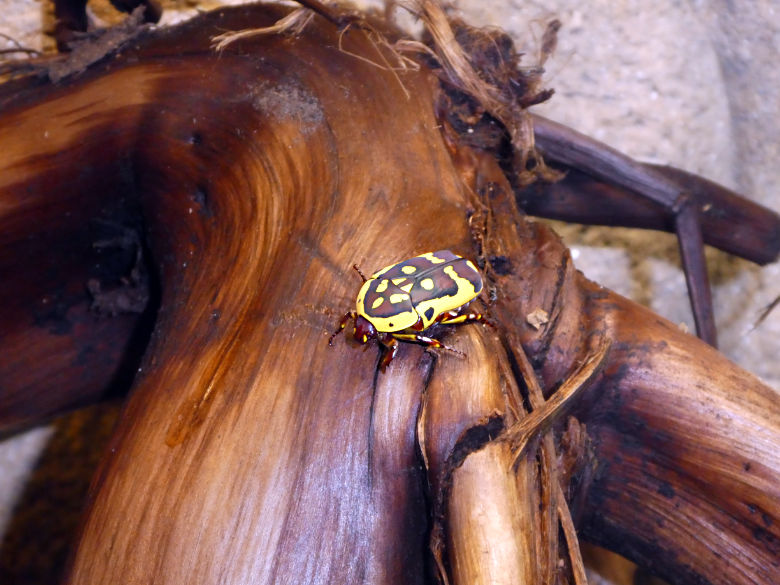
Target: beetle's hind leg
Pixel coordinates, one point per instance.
(342, 325)
(426, 341)
(455, 318)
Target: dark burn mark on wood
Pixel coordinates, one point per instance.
(502, 265)
(201, 198)
(121, 282)
(474, 438)
(666, 490)
(761, 535)
(51, 314)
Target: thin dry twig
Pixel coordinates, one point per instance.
(20, 50)
(378, 41)
(18, 47)
(544, 415)
(537, 423)
(765, 312)
(293, 23)
(572, 542)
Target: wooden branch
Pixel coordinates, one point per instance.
(250, 450)
(729, 223)
(712, 445)
(683, 210)
(696, 462)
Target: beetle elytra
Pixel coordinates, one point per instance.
(400, 301)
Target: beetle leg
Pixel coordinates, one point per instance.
(390, 346)
(342, 325)
(426, 341)
(445, 319)
(454, 318)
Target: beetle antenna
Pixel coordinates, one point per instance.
(355, 266)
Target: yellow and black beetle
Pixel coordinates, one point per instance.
(402, 299)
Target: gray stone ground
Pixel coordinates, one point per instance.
(690, 83)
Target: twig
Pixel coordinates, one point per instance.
(19, 48)
(765, 312)
(571, 148)
(544, 415)
(572, 542)
(293, 23)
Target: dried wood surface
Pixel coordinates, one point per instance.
(250, 451)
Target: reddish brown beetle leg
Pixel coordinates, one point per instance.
(342, 325)
(454, 318)
(390, 345)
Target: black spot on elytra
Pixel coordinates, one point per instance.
(429, 313)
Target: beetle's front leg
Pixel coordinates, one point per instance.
(390, 346)
(342, 325)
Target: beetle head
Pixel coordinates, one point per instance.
(364, 330)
